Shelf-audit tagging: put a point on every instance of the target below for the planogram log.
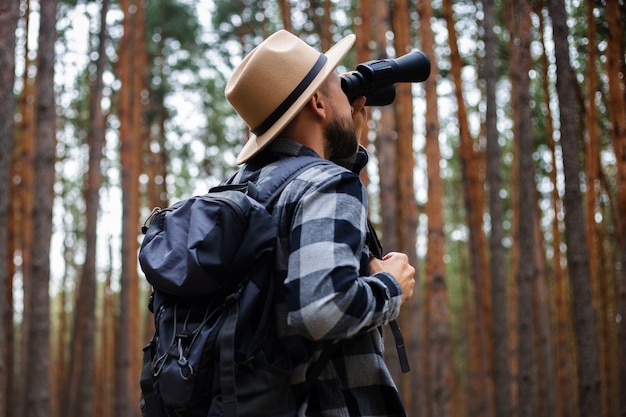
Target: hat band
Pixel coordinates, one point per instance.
(291, 98)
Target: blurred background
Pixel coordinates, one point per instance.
(503, 176)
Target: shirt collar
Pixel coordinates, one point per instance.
(286, 147)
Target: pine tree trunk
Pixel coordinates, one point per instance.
(481, 398)
(128, 347)
(406, 217)
(24, 214)
(363, 33)
(285, 12)
(527, 268)
(501, 376)
(545, 370)
(438, 374)
(577, 250)
(510, 23)
(563, 348)
(592, 171)
(37, 372)
(8, 23)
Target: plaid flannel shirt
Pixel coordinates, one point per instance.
(328, 295)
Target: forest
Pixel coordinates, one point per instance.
(503, 176)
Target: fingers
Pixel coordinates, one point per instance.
(397, 264)
(358, 104)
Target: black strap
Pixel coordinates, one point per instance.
(402, 356)
(376, 250)
(287, 169)
(150, 404)
(247, 188)
(227, 361)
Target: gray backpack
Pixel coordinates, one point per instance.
(215, 351)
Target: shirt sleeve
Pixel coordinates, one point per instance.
(327, 297)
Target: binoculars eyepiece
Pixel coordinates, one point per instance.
(376, 79)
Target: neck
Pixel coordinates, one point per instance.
(307, 134)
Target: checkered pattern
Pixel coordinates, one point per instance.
(328, 295)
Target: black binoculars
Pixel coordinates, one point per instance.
(376, 79)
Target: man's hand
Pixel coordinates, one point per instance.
(397, 264)
(359, 115)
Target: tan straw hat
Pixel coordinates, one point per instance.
(274, 81)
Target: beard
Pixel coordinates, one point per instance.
(340, 139)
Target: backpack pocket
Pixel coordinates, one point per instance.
(184, 357)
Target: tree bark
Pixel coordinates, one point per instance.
(544, 362)
(406, 217)
(436, 342)
(576, 239)
(8, 23)
(37, 372)
(497, 273)
(285, 12)
(565, 364)
(128, 349)
(23, 234)
(527, 272)
(363, 32)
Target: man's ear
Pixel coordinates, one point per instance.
(319, 105)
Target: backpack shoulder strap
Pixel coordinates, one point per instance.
(287, 169)
(268, 189)
(265, 192)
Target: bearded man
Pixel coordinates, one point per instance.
(333, 291)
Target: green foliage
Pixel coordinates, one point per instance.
(176, 25)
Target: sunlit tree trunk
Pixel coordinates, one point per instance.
(497, 270)
(436, 343)
(577, 251)
(37, 371)
(363, 32)
(8, 23)
(327, 26)
(285, 12)
(23, 232)
(128, 342)
(481, 398)
(406, 217)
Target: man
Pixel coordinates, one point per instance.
(291, 99)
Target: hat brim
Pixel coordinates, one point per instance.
(334, 55)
